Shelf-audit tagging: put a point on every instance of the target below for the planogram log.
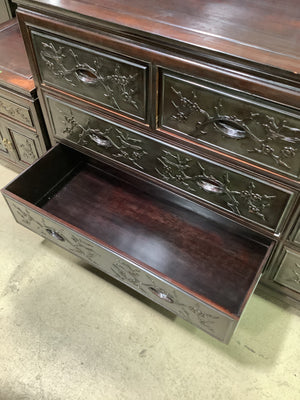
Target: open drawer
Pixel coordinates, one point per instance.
(196, 264)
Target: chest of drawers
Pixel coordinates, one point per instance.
(23, 137)
(177, 164)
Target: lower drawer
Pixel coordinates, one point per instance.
(148, 238)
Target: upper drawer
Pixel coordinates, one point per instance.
(236, 123)
(114, 82)
(15, 111)
(222, 187)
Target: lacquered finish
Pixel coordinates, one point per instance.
(265, 32)
(14, 65)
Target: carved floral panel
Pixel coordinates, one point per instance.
(15, 111)
(116, 83)
(209, 114)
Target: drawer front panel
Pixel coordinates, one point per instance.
(110, 81)
(288, 273)
(15, 111)
(211, 115)
(169, 296)
(229, 190)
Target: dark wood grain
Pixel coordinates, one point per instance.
(267, 31)
(14, 65)
(183, 246)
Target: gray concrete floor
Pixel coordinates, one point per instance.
(68, 332)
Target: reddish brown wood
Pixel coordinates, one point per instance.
(267, 32)
(14, 65)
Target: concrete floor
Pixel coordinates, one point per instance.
(68, 332)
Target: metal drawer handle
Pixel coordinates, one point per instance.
(230, 129)
(208, 185)
(86, 76)
(7, 144)
(161, 295)
(54, 234)
(99, 141)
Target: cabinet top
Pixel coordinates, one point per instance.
(14, 66)
(266, 32)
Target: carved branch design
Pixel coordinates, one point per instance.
(120, 143)
(231, 126)
(174, 168)
(133, 277)
(27, 151)
(38, 224)
(14, 111)
(296, 272)
(92, 75)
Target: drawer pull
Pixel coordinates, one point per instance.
(99, 141)
(54, 234)
(230, 129)
(161, 295)
(208, 185)
(7, 144)
(86, 76)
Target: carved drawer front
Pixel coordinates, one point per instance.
(169, 296)
(110, 81)
(261, 132)
(222, 187)
(288, 273)
(15, 111)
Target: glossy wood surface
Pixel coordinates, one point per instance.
(14, 65)
(267, 31)
(185, 247)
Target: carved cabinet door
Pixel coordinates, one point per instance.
(19, 144)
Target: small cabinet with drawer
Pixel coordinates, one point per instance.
(176, 169)
(23, 135)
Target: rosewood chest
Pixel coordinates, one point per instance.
(176, 132)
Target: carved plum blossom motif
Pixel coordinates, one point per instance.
(119, 143)
(232, 127)
(113, 84)
(27, 151)
(40, 225)
(14, 111)
(174, 167)
(146, 284)
(296, 271)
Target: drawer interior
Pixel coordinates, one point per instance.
(210, 259)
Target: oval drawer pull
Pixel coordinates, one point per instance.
(99, 141)
(161, 295)
(230, 129)
(208, 185)
(86, 76)
(54, 234)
